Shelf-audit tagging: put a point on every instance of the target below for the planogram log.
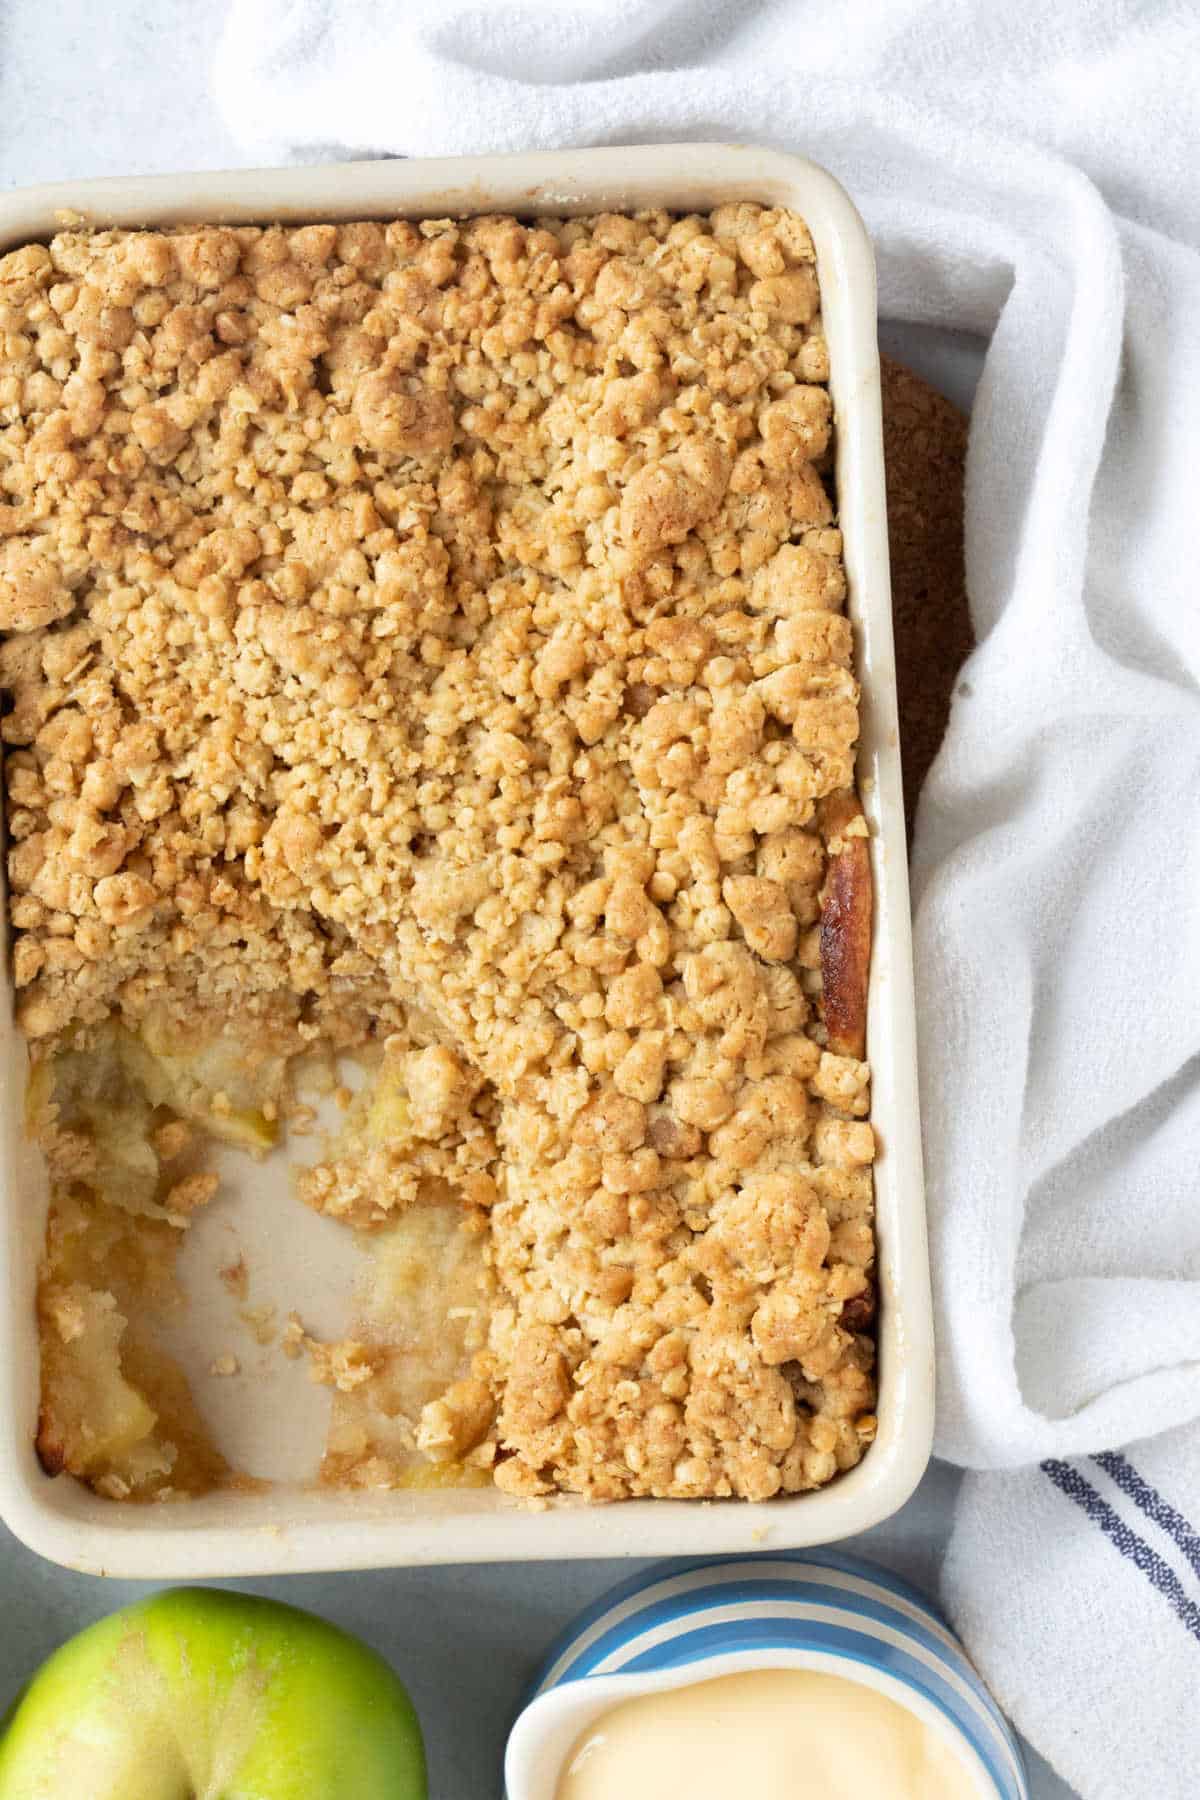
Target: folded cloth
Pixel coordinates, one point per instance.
(1074, 1583)
(1028, 175)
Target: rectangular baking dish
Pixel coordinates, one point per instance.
(294, 1525)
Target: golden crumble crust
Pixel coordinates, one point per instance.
(443, 622)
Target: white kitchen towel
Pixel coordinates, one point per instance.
(1029, 174)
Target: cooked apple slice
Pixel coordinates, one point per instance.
(389, 1114)
(95, 1418)
(845, 931)
(188, 1079)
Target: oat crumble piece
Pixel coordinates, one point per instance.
(433, 633)
(344, 1365)
(235, 1278)
(262, 1323)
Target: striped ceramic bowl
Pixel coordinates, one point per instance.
(685, 1622)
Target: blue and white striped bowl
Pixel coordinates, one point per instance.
(681, 1623)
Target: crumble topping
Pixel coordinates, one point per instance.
(430, 636)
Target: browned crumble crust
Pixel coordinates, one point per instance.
(435, 632)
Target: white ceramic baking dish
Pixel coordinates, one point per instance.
(271, 1421)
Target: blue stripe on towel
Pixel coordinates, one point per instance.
(1152, 1503)
(1135, 1549)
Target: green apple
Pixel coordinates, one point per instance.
(198, 1694)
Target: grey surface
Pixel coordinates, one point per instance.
(465, 1640)
(91, 90)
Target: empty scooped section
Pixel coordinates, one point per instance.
(202, 1326)
(253, 1258)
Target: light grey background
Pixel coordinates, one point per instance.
(120, 89)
